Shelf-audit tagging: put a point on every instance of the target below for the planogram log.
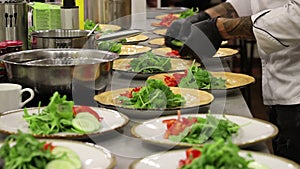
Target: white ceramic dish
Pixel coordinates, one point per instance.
(194, 99)
(251, 131)
(91, 156)
(12, 121)
(170, 160)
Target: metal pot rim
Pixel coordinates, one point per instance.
(77, 33)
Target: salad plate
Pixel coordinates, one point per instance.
(108, 27)
(122, 66)
(233, 80)
(160, 31)
(222, 52)
(251, 130)
(170, 160)
(157, 41)
(12, 121)
(91, 155)
(133, 49)
(135, 39)
(194, 99)
(164, 15)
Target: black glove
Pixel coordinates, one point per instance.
(180, 29)
(203, 41)
(197, 17)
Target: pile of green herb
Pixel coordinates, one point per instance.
(150, 63)
(89, 25)
(110, 46)
(154, 95)
(206, 129)
(219, 155)
(198, 78)
(26, 152)
(56, 117)
(188, 13)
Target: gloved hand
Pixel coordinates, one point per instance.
(180, 29)
(203, 41)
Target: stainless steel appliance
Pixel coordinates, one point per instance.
(109, 11)
(14, 22)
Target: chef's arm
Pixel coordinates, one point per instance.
(224, 9)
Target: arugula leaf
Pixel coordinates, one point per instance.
(24, 151)
(53, 118)
(219, 155)
(110, 46)
(89, 25)
(154, 95)
(188, 13)
(198, 78)
(150, 63)
(207, 129)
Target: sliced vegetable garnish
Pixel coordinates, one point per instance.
(58, 116)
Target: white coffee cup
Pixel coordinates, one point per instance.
(11, 96)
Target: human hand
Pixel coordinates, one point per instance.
(203, 41)
(180, 29)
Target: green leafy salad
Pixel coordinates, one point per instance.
(110, 46)
(89, 25)
(218, 155)
(154, 95)
(198, 130)
(60, 115)
(150, 63)
(23, 151)
(198, 78)
(188, 13)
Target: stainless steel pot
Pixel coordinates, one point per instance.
(73, 72)
(109, 11)
(60, 38)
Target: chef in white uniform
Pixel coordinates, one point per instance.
(275, 25)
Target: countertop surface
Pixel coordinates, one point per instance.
(127, 148)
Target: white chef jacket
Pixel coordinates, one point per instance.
(276, 26)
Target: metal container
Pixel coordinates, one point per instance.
(109, 11)
(77, 73)
(60, 38)
(14, 22)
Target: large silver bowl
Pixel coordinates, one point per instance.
(72, 72)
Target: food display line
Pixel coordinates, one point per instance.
(127, 148)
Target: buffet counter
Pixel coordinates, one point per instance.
(128, 148)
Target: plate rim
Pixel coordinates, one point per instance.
(294, 164)
(182, 144)
(168, 109)
(70, 136)
(113, 160)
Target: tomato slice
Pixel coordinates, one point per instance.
(79, 109)
(170, 81)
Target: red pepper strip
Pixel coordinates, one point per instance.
(170, 81)
(173, 53)
(190, 155)
(48, 146)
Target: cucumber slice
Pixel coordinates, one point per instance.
(60, 164)
(67, 155)
(86, 122)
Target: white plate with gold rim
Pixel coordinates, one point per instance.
(251, 130)
(160, 31)
(194, 99)
(123, 67)
(222, 52)
(133, 49)
(170, 160)
(12, 121)
(91, 155)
